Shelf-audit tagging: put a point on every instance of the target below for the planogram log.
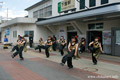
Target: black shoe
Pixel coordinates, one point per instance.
(21, 58)
(11, 51)
(70, 67)
(95, 63)
(12, 56)
(62, 64)
(47, 56)
(61, 54)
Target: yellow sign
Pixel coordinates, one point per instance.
(67, 5)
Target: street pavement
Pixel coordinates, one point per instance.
(37, 67)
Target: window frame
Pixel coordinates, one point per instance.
(82, 6)
(104, 2)
(92, 4)
(96, 26)
(28, 33)
(14, 34)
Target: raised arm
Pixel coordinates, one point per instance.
(101, 48)
(23, 42)
(45, 42)
(69, 47)
(91, 43)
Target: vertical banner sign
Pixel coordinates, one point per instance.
(59, 7)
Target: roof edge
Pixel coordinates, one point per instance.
(36, 4)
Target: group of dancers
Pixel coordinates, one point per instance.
(72, 48)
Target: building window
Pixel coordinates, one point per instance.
(27, 33)
(104, 1)
(44, 12)
(48, 11)
(82, 4)
(95, 26)
(14, 34)
(35, 14)
(92, 3)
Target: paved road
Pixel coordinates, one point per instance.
(37, 67)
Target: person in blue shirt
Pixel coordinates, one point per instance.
(5, 39)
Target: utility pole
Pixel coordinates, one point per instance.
(1, 3)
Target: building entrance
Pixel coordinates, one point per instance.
(91, 35)
(70, 35)
(116, 41)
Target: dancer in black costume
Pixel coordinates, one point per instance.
(62, 42)
(41, 43)
(21, 44)
(47, 46)
(72, 51)
(96, 49)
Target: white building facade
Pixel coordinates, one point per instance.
(86, 18)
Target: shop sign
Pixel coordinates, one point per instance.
(66, 5)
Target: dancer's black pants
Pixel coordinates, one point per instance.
(68, 58)
(15, 48)
(38, 47)
(82, 48)
(54, 46)
(94, 55)
(46, 49)
(94, 59)
(61, 49)
(19, 52)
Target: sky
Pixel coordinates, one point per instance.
(15, 7)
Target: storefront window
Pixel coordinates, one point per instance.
(91, 26)
(14, 34)
(104, 1)
(118, 37)
(70, 28)
(95, 26)
(92, 3)
(99, 26)
(82, 4)
(27, 33)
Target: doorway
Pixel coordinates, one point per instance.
(91, 35)
(70, 35)
(116, 41)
